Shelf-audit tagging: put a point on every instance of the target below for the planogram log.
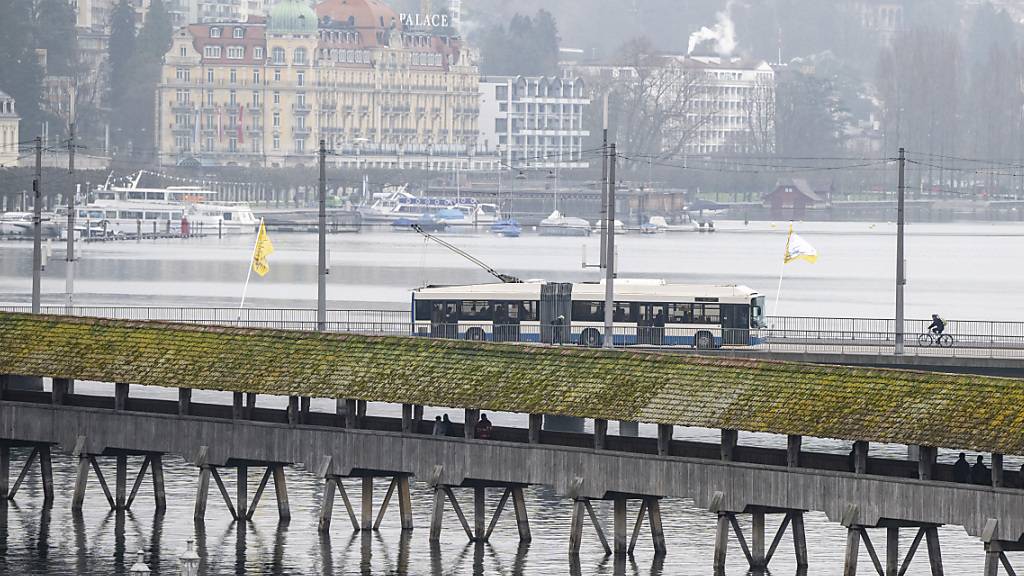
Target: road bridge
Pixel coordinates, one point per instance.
(860, 405)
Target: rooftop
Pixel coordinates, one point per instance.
(877, 405)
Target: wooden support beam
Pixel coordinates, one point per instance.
(21, 475)
(778, 538)
(202, 493)
(327, 506)
(799, 539)
(997, 470)
(293, 410)
(892, 551)
(121, 482)
(348, 503)
(597, 526)
(472, 416)
(926, 462)
(619, 525)
(61, 388)
(103, 482)
(384, 505)
(871, 551)
(120, 396)
(250, 405)
(156, 464)
(4, 382)
(721, 543)
(407, 419)
(259, 492)
(417, 413)
(794, 443)
(497, 513)
(5, 471)
(1006, 564)
(81, 481)
(852, 551)
(242, 492)
(600, 433)
(664, 439)
(437, 517)
(284, 510)
(304, 403)
(223, 491)
(237, 407)
(366, 504)
(741, 539)
(458, 512)
(522, 519)
(576, 527)
(138, 483)
(479, 513)
(911, 551)
(46, 471)
(860, 457)
(636, 526)
(352, 413)
(991, 562)
(536, 424)
(405, 502)
(729, 440)
(934, 550)
(184, 401)
(757, 540)
(657, 529)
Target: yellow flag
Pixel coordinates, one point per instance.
(263, 249)
(799, 249)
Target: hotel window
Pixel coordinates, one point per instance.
(209, 144)
(277, 55)
(301, 78)
(277, 75)
(300, 145)
(183, 51)
(277, 143)
(300, 56)
(238, 33)
(236, 52)
(277, 98)
(211, 51)
(182, 74)
(257, 52)
(209, 97)
(182, 143)
(233, 144)
(215, 32)
(233, 76)
(209, 122)
(255, 76)
(300, 100)
(209, 75)
(277, 119)
(255, 99)
(233, 98)
(181, 96)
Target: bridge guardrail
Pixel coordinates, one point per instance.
(793, 334)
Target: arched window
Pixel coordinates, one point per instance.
(300, 56)
(277, 55)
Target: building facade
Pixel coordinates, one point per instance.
(533, 122)
(264, 92)
(9, 120)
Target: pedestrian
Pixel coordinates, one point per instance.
(556, 328)
(980, 474)
(438, 427)
(962, 470)
(483, 428)
(446, 425)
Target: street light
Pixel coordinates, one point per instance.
(189, 561)
(140, 564)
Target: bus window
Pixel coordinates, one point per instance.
(227, 216)
(528, 311)
(757, 312)
(652, 314)
(476, 310)
(706, 314)
(423, 310)
(680, 313)
(624, 312)
(125, 214)
(588, 311)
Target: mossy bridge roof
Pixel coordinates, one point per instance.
(877, 405)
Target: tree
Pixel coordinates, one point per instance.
(55, 32)
(809, 120)
(155, 38)
(21, 75)
(527, 47)
(120, 49)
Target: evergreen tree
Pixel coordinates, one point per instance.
(21, 76)
(528, 47)
(155, 37)
(120, 49)
(55, 32)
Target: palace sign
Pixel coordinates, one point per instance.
(425, 20)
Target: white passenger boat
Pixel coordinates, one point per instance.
(663, 226)
(559, 225)
(20, 224)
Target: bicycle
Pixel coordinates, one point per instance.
(929, 339)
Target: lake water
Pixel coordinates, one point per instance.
(963, 271)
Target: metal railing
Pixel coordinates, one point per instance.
(797, 335)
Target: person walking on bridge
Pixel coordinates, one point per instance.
(962, 470)
(483, 428)
(980, 474)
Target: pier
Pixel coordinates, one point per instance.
(860, 405)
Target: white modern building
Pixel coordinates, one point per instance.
(8, 131)
(533, 122)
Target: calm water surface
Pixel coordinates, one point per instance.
(964, 271)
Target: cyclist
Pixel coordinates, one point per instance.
(937, 325)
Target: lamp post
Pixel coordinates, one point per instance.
(140, 564)
(189, 561)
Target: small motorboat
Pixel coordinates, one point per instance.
(506, 227)
(558, 225)
(664, 226)
(426, 223)
(648, 228)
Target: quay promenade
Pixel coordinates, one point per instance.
(860, 405)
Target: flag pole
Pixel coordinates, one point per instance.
(782, 270)
(248, 274)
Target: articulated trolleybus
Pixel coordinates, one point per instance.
(647, 312)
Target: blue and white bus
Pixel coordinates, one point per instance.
(647, 312)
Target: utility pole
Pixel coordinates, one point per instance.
(901, 279)
(604, 176)
(321, 294)
(609, 258)
(69, 279)
(37, 227)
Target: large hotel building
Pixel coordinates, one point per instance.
(382, 91)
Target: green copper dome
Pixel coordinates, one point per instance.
(291, 17)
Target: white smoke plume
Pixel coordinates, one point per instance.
(723, 33)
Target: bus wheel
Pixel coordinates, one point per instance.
(475, 334)
(704, 341)
(591, 338)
